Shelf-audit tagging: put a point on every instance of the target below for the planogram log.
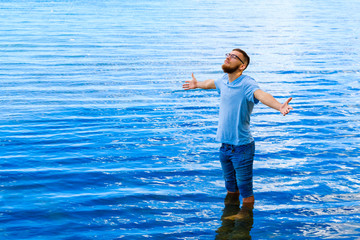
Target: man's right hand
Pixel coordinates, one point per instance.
(190, 84)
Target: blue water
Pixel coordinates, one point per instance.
(99, 141)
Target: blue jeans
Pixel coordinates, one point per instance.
(237, 166)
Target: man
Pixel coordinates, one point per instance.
(238, 95)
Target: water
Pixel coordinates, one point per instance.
(99, 141)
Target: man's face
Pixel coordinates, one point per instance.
(232, 62)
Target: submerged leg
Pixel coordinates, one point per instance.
(248, 202)
(232, 198)
(245, 211)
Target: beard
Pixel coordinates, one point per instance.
(228, 69)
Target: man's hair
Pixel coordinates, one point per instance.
(247, 58)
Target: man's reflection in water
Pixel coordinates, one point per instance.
(236, 223)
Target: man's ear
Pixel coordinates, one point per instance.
(242, 67)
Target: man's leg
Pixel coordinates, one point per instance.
(228, 171)
(248, 202)
(232, 198)
(246, 210)
(242, 159)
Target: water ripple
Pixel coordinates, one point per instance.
(98, 140)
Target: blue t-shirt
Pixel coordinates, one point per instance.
(236, 104)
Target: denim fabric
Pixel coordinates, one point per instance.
(237, 166)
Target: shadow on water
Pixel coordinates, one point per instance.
(238, 229)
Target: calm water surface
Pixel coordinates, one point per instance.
(99, 141)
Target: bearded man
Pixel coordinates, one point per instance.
(238, 95)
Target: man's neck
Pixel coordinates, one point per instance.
(234, 76)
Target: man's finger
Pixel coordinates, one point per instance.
(287, 101)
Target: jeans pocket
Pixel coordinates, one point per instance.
(222, 149)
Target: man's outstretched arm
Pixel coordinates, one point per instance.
(270, 101)
(193, 84)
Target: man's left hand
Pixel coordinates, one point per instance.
(285, 108)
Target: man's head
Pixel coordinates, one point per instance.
(237, 60)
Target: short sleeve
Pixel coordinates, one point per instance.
(250, 88)
(218, 84)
